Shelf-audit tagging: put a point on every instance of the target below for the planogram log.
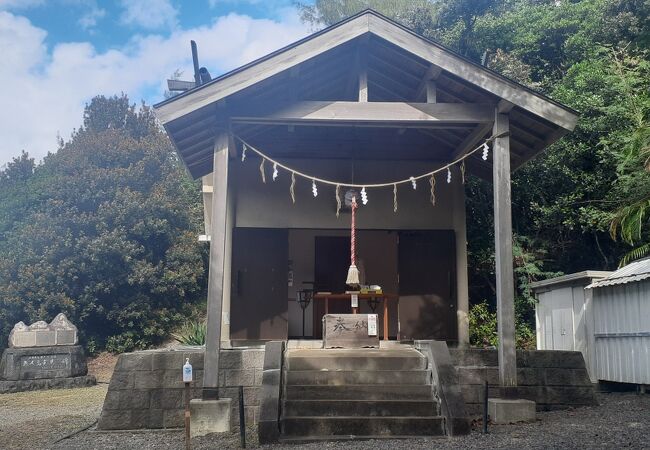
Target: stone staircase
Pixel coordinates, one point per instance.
(357, 394)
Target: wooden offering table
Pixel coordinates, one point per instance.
(326, 297)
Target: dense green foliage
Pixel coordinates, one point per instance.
(192, 333)
(590, 55)
(633, 185)
(103, 230)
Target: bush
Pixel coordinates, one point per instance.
(483, 331)
(104, 230)
(192, 333)
(482, 326)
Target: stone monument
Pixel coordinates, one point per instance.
(44, 356)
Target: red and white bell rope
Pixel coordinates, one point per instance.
(353, 272)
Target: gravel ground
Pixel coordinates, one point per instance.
(35, 419)
(621, 421)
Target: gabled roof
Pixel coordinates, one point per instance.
(398, 51)
(584, 277)
(635, 271)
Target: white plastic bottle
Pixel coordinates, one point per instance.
(187, 371)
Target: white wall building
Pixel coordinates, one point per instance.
(605, 315)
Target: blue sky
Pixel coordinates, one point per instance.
(58, 54)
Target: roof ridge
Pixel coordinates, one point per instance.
(367, 11)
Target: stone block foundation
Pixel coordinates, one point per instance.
(552, 379)
(147, 390)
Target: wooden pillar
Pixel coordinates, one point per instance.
(227, 263)
(503, 253)
(431, 91)
(462, 289)
(363, 81)
(216, 269)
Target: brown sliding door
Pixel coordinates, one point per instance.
(427, 280)
(258, 301)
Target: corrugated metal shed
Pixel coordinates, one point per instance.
(636, 271)
(611, 320)
(621, 332)
(563, 314)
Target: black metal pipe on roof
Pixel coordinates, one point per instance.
(195, 61)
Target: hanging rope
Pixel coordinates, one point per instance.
(462, 171)
(411, 179)
(338, 200)
(353, 272)
(394, 198)
(262, 171)
(292, 187)
(432, 182)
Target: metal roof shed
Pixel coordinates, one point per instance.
(621, 332)
(563, 314)
(605, 315)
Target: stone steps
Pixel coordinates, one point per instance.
(343, 377)
(357, 359)
(360, 393)
(294, 440)
(362, 426)
(369, 408)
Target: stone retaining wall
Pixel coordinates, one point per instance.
(553, 379)
(147, 390)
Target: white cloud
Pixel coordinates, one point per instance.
(20, 4)
(214, 3)
(89, 19)
(45, 90)
(149, 14)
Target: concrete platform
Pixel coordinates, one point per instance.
(503, 410)
(209, 416)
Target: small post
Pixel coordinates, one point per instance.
(187, 416)
(242, 418)
(485, 408)
(187, 379)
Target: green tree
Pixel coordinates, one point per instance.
(415, 14)
(632, 145)
(106, 234)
